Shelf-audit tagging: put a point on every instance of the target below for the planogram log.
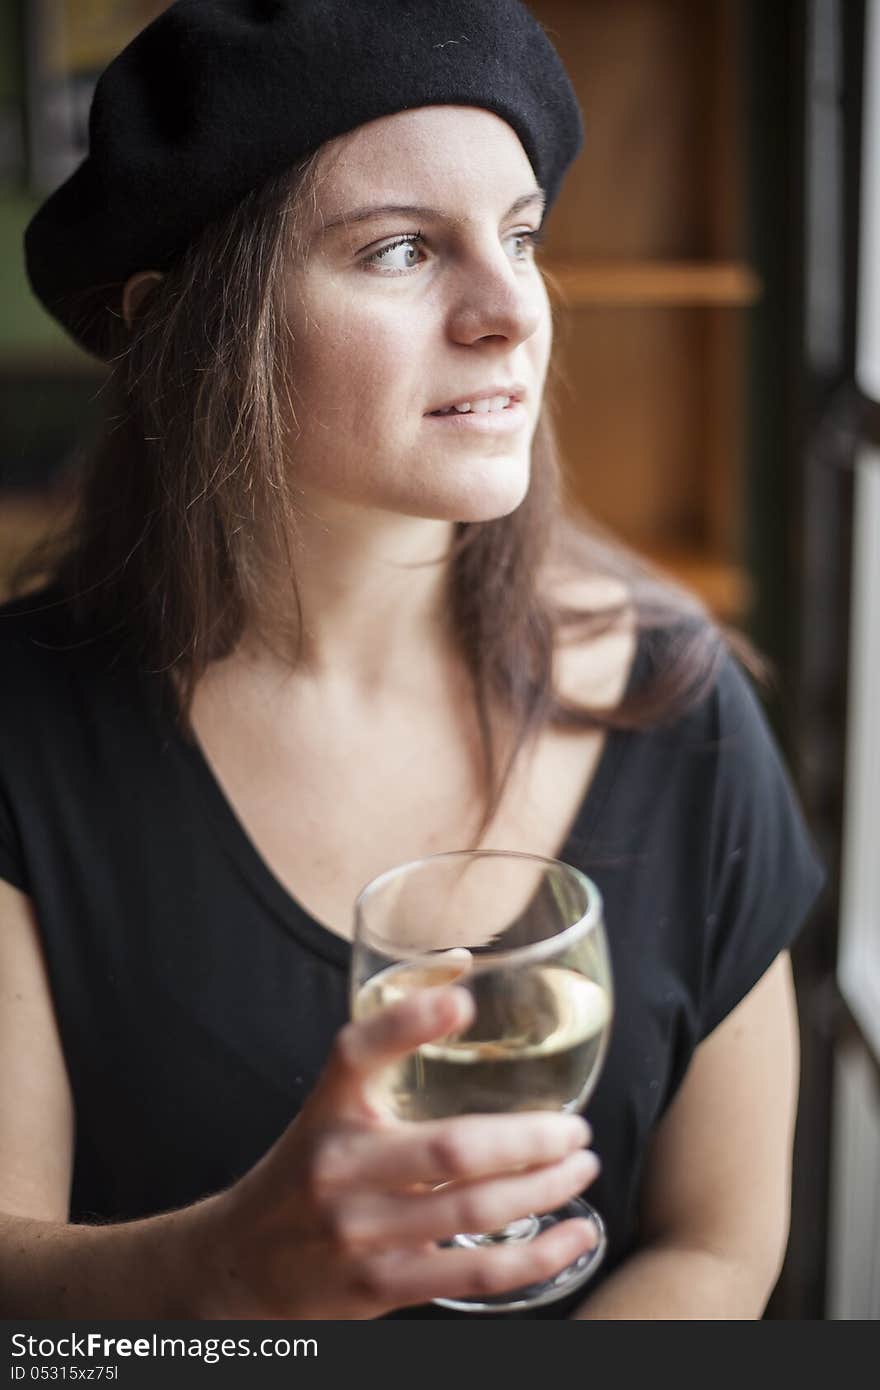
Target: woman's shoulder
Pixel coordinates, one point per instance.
(624, 648)
(32, 623)
(592, 665)
(45, 645)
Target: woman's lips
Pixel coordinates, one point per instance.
(505, 421)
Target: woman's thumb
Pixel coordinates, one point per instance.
(365, 1047)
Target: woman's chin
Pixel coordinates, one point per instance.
(475, 514)
(486, 499)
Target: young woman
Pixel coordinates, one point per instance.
(315, 618)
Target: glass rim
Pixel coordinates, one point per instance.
(536, 950)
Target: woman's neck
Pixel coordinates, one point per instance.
(373, 597)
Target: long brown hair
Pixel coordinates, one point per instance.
(193, 473)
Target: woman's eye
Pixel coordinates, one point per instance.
(525, 243)
(406, 252)
(402, 254)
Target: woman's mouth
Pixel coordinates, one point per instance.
(489, 415)
(490, 405)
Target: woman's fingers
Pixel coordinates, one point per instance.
(370, 1221)
(365, 1047)
(407, 1278)
(458, 1149)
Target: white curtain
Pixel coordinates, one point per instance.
(854, 1272)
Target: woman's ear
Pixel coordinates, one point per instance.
(136, 290)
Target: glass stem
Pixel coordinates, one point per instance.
(526, 1228)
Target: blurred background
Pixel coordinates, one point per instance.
(715, 258)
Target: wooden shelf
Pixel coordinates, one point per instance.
(24, 520)
(724, 587)
(49, 360)
(575, 283)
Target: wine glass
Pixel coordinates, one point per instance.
(525, 935)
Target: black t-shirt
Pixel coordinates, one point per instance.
(197, 1000)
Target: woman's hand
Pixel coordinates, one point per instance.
(339, 1219)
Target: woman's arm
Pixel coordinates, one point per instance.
(339, 1219)
(140, 1269)
(717, 1190)
(48, 1268)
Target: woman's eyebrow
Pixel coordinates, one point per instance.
(364, 214)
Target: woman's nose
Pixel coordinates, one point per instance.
(497, 301)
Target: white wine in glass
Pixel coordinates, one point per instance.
(525, 936)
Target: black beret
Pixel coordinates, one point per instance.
(214, 97)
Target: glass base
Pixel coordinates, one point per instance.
(545, 1291)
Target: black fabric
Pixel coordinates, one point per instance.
(214, 97)
(197, 1000)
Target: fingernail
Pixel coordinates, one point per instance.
(464, 1001)
(590, 1233)
(441, 999)
(580, 1129)
(588, 1161)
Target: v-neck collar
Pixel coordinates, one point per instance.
(247, 859)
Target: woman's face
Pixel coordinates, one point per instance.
(400, 314)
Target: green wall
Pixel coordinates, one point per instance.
(28, 335)
(26, 330)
